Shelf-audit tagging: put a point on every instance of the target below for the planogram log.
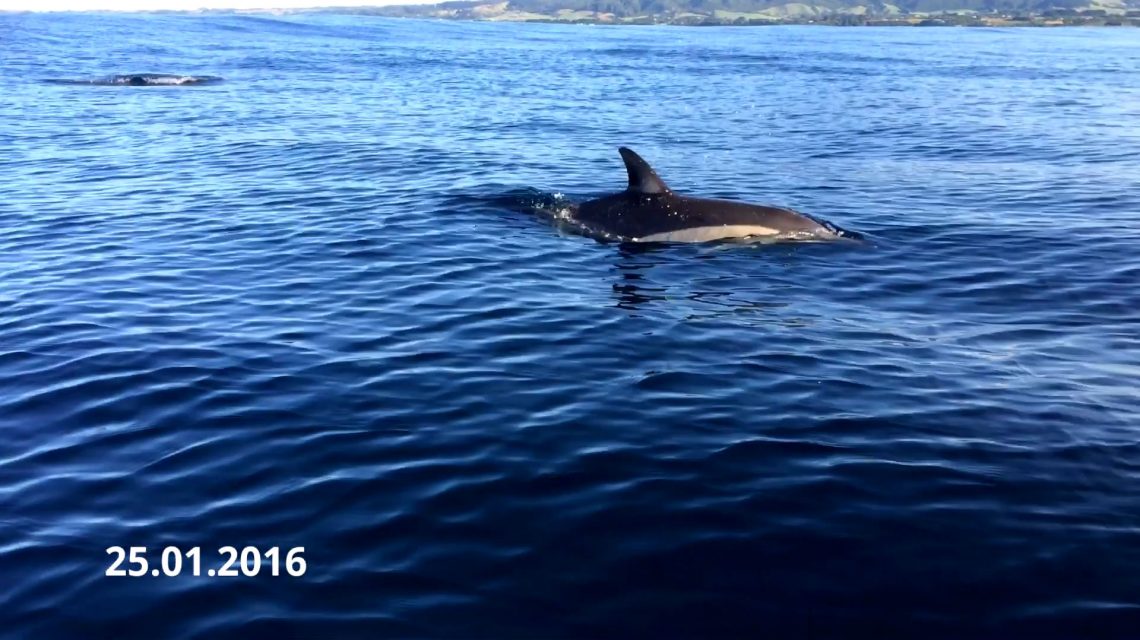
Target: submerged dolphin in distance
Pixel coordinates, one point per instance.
(648, 211)
(141, 80)
(159, 79)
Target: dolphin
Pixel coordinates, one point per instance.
(161, 79)
(140, 80)
(648, 211)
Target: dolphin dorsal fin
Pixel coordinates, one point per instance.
(642, 177)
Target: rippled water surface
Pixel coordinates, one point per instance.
(317, 304)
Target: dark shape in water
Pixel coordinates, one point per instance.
(648, 211)
(143, 80)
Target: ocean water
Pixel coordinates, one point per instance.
(318, 304)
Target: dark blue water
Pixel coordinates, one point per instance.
(316, 305)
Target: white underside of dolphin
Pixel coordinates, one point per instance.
(708, 234)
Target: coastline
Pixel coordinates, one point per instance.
(884, 15)
(1054, 18)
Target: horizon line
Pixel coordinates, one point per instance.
(199, 6)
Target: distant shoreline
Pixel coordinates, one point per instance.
(778, 23)
(1053, 18)
(723, 13)
(1060, 18)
